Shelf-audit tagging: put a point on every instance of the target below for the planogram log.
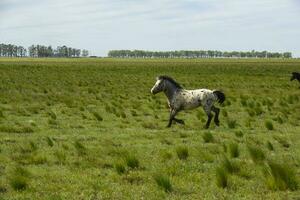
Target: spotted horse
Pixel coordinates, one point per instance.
(181, 99)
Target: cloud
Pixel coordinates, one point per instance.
(101, 25)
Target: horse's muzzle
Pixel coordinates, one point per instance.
(153, 92)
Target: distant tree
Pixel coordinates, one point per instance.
(78, 52)
(10, 50)
(287, 55)
(195, 54)
(85, 53)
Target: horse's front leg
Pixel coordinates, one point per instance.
(173, 112)
(180, 121)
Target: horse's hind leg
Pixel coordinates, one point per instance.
(207, 110)
(210, 116)
(216, 111)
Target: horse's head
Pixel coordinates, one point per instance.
(158, 86)
(294, 76)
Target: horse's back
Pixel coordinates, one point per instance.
(194, 98)
(202, 93)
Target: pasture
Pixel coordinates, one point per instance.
(91, 129)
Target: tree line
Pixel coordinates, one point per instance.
(10, 50)
(196, 54)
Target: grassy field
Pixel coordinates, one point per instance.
(90, 129)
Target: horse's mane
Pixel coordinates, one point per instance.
(168, 78)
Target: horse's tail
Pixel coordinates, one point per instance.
(220, 96)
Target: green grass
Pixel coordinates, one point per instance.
(182, 153)
(19, 179)
(256, 154)
(120, 168)
(231, 123)
(229, 166)
(80, 148)
(234, 151)
(280, 177)
(98, 116)
(239, 134)
(208, 137)
(18, 183)
(163, 182)
(270, 146)
(269, 125)
(92, 127)
(50, 141)
(221, 177)
(132, 161)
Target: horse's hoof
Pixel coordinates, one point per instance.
(181, 122)
(217, 123)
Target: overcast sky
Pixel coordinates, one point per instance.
(103, 25)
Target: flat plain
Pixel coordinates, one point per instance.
(91, 129)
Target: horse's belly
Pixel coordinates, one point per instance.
(192, 104)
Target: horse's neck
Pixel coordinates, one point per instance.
(170, 90)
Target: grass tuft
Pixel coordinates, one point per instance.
(52, 122)
(283, 141)
(279, 119)
(80, 148)
(1, 114)
(49, 141)
(52, 115)
(229, 166)
(21, 171)
(18, 183)
(33, 146)
(163, 182)
(61, 156)
(132, 161)
(208, 137)
(239, 133)
(231, 123)
(19, 179)
(166, 155)
(120, 168)
(269, 125)
(221, 177)
(98, 116)
(234, 150)
(16, 129)
(257, 155)
(3, 189)
(280, 177)
(149, 125)
(270, 146)
(182, 153)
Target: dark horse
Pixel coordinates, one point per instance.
(295, 75)
(182, 99)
